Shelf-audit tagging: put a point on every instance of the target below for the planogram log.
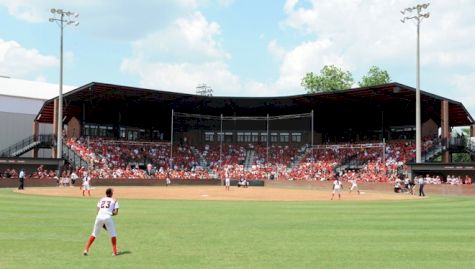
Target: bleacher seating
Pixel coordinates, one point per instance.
(113, 158)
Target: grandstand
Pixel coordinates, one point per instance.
(126, 132)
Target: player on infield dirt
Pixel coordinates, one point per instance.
(86, 184)
(337, 187)
(354, 185)
(227, 180)
(106, 208)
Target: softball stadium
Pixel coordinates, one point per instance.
(169, 156)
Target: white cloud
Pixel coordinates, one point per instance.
(180, 57)
(41, 78)
(225, 3)
(188, 53)
(361, 32)
(23, 10)
(187, 39)
(108, 19)
(307, 57)
(182, 77)
(37, 11)
(17, 61)
(276, 51)
(355, 34)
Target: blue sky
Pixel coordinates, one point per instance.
(239, 47)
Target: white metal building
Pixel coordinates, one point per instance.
(20, 101)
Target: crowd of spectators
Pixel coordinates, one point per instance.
(143, 160)
(152, 160)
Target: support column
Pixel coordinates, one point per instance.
(55, 126)
(445, 130)
(171, 163)
(267, 140)
(36, 129)
(221, 138)
(472, 130)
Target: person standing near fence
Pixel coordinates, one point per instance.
(86, 184)
(227, 180)
(21, 177)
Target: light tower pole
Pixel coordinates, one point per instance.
(418, 18)
(62, 18)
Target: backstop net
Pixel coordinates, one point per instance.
(217, 141)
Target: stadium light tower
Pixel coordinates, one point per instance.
(62, 18)
(418, 17)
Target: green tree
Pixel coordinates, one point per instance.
(375, 76)
(461, 157)
(331, 78)
(466, 132)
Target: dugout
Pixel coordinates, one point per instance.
(443, 169)
(30, 164)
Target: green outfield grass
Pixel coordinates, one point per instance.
(50, 232)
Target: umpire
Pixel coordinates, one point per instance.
(421, 186)
(21, 176)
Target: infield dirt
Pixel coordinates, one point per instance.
(218, 193)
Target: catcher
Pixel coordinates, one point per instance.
(106, 208)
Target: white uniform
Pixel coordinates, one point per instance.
(106, 206)
(336, 186)
(66, 180)
(227, 180)
(354, 184)
(85, 183)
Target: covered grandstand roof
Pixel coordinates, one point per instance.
(101, 103)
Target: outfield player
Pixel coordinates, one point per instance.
(106, 208)
(86, 184)
(337, 187)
